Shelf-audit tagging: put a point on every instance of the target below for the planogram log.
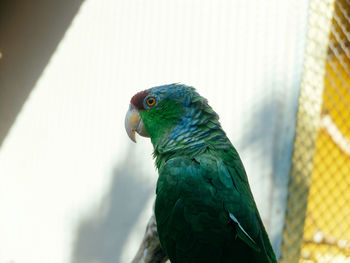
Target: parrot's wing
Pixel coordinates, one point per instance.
(245, 213)
(233, 190)
(207, 196)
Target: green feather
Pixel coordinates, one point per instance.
(199, 203)
(205, 210)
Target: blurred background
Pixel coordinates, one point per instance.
(74, 188)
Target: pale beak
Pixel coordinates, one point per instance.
(133, 122)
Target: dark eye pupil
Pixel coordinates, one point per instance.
(150, 101)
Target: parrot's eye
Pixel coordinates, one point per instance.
(151, 101)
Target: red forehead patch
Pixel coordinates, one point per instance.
(137, 99)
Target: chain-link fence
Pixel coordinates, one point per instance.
(318, 211)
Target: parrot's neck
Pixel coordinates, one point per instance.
(195, 133)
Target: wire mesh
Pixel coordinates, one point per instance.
(318, 211)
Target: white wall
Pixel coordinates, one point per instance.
(73, 186)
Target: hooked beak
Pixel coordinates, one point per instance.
(133, 122)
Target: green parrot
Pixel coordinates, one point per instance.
(204, 208)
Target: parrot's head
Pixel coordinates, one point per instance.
(172, 116)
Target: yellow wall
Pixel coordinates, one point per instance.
(327, 225)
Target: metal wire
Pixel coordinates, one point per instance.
(318, 211)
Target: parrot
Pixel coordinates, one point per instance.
(204, 208)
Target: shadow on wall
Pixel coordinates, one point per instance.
(256, 147)
(29, 34)
(101, 237)
(268, 145)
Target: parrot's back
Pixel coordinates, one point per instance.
(205, 211)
